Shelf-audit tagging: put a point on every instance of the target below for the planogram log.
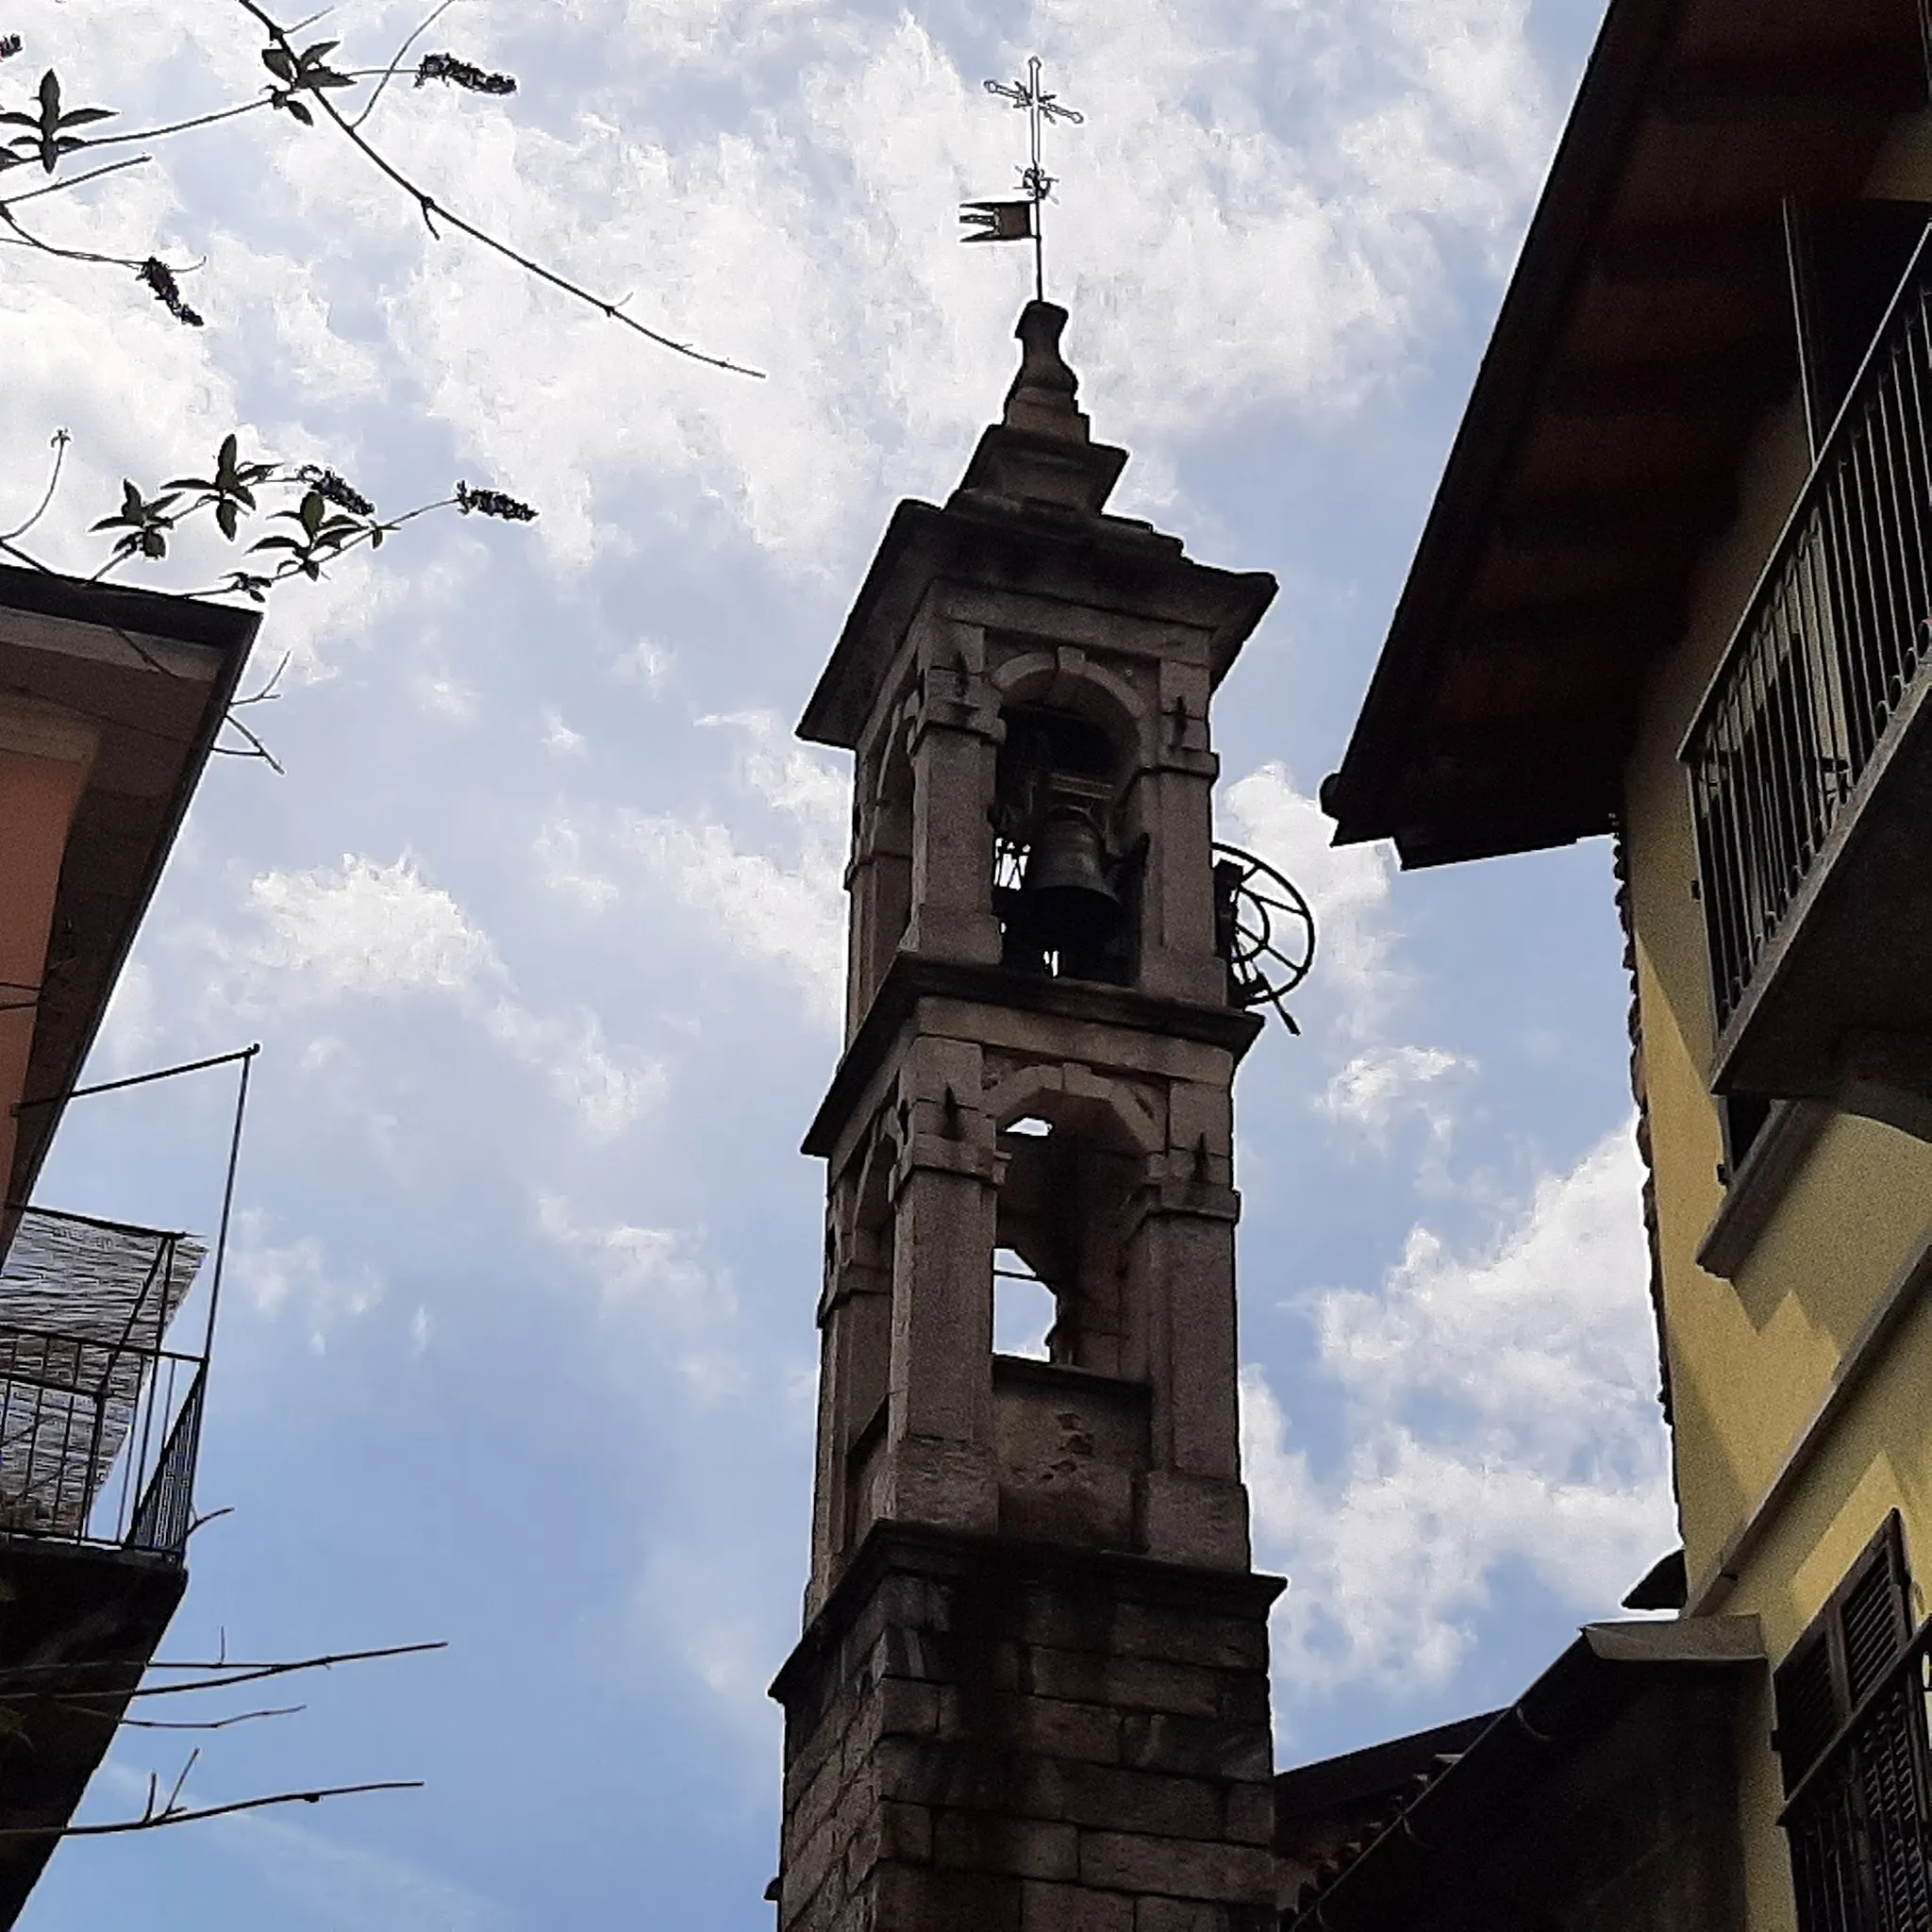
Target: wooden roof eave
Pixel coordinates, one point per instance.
(1648, 78)
(121, 838)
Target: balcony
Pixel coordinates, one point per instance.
(100, 1422)
(1810, 765)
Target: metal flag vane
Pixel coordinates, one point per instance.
(1020, 221)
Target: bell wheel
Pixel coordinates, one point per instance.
(1265, 929)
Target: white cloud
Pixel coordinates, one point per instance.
(786, 911)
(714, 1611)
(647, 663)
(652, 1280)
(559, 738)
(560, 846)
(368, 928)
(1347, 887)
(296, 1281)
(449, 699)
(1289, 270)
(1500, 1409)
(1382, 1084)
(607, 1092)
(351, 1887)
(371, 930)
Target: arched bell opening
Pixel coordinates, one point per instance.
(1061, 1224)
(882, 849)
(1024, 1309)
(1066, 884)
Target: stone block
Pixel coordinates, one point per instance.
(1139, 1801)
(810, 1860)
(1201, 1520)
(1127, 1683)
(1074, 1908)
(1055, 1728)
(907, 1709)
(914, 1898)
(888, 1831)
(1168, 1635)
(1023, 1847)
(1130, 1862)
(1178, 1915)
(1248, 1818)
(964, 1776)
(1197, 1747)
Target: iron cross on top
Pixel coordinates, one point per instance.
(1020, 221)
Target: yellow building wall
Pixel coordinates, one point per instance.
(1755, 1362)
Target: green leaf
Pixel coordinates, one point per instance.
(312, 511)
(278, 64)
(224, 517)
(300, 113)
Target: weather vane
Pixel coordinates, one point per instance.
(1020, 221)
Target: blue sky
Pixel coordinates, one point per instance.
(540, 930)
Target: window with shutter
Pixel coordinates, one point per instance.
(1853, 1741)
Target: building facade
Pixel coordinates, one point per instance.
(110, 703)
(1676, 592)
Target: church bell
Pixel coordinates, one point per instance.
(1067, 900)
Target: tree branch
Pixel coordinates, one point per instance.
(388, 72)
(432, 209)
(59, 440)
(75, 180)
(155, 1821)
(237, 1674)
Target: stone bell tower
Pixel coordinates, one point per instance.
(1032, 1691)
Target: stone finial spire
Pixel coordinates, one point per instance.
(1041, 454)
(1042, 397)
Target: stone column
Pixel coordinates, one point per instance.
(940, 1466)
(955, 732)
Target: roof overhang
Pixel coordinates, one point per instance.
(1647, 328)
(1625, 1703)
(153, 675)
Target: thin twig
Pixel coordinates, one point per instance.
(255, 748)
(32, 241)
(208, 120)
(31, 562)
(268, 693)
(388, 72)
(155, 1821)
(206, 1724)
(60, 441)
(249, 1674)
(433, 209)
(75, 180)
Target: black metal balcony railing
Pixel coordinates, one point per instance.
(1838, 630)
(99, 1423)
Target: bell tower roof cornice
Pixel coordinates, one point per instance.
(1029, 516)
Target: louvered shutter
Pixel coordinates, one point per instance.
(1859, 1850)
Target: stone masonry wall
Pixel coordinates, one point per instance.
(991, 1736)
